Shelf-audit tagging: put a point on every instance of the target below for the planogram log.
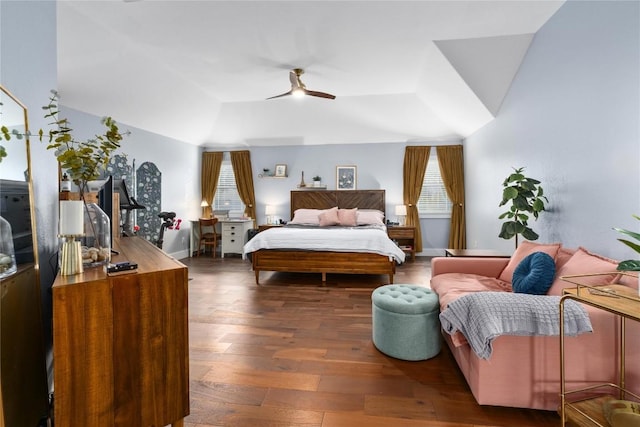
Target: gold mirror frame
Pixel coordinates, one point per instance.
(7, 98)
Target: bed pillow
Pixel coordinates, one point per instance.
(524, 249)
(534, 275)
(329, 217)
(306, 217)
(348, 217)
(369, 216)
(584, 262)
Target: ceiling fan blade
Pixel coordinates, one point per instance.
(281, 95)
(294, 78)
(297, 86)
(319, 94)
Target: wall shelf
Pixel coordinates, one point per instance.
(311, 187)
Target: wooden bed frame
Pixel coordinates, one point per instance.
(321, 261)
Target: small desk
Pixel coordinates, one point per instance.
(477, 253)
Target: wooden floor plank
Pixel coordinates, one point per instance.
(292, 352)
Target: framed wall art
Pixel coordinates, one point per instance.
(346, 177)
(281, 170)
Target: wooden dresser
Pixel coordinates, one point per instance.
(120, 343)
(23, 383)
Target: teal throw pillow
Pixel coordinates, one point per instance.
(534, 275)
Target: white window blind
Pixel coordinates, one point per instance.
(227, 197)
(433, 197)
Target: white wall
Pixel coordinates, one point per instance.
(28, 70)
(572, 118)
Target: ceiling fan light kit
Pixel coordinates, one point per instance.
(299, 90)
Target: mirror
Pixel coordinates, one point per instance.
(23, 375)
(16, 186)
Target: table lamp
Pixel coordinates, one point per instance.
(204, 204)
(401, 214)
(270, 211)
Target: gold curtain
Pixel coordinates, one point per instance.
(241, 162)
(415, 166)
(451, 161)
(211, 164)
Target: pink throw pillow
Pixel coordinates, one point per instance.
(524, 249)
(329, 217)
(306, 217)
(347, 217)
(369, 216)
(584, 262)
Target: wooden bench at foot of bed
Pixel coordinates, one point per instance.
(321, 262)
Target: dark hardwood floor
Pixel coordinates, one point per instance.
(292, 352)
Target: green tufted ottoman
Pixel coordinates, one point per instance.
(405, 321)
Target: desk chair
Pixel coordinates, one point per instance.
(208, 235)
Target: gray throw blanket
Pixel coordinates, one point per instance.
(483, 316)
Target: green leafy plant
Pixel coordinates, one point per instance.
(317, 178)
(527, 199)
(83, 161)
(6, 134)
(630, 264)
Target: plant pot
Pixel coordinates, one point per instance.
(317, 183)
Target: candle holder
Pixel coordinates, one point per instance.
(70, 255)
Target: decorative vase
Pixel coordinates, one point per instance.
(317, 183)
(7, 254)
(96, 242)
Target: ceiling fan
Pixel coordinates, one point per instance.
(298, 89)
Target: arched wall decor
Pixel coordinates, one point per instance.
(149, 193)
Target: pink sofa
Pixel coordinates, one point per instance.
(524, 371)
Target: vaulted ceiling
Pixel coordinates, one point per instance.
(200, 71)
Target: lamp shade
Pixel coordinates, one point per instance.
(401, 209)
(270, 210)
(71, 218)
(204, 204)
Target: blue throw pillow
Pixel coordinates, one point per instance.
(534, 275)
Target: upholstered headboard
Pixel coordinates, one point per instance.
(345, 199)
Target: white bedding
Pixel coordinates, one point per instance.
(334, 239)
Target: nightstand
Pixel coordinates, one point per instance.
(405, 236)
(263, 227)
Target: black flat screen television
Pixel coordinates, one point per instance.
(105, 201)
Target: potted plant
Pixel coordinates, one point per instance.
(83, 161)
(526, 197)
(631, 264)
(317, 181)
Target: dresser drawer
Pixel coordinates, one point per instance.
(232, 229)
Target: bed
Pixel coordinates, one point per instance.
(325, 261)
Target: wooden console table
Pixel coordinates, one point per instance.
(120, 343)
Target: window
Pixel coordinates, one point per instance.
(227, 197)
(433, 200)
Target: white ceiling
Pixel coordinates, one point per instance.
(200, 71)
